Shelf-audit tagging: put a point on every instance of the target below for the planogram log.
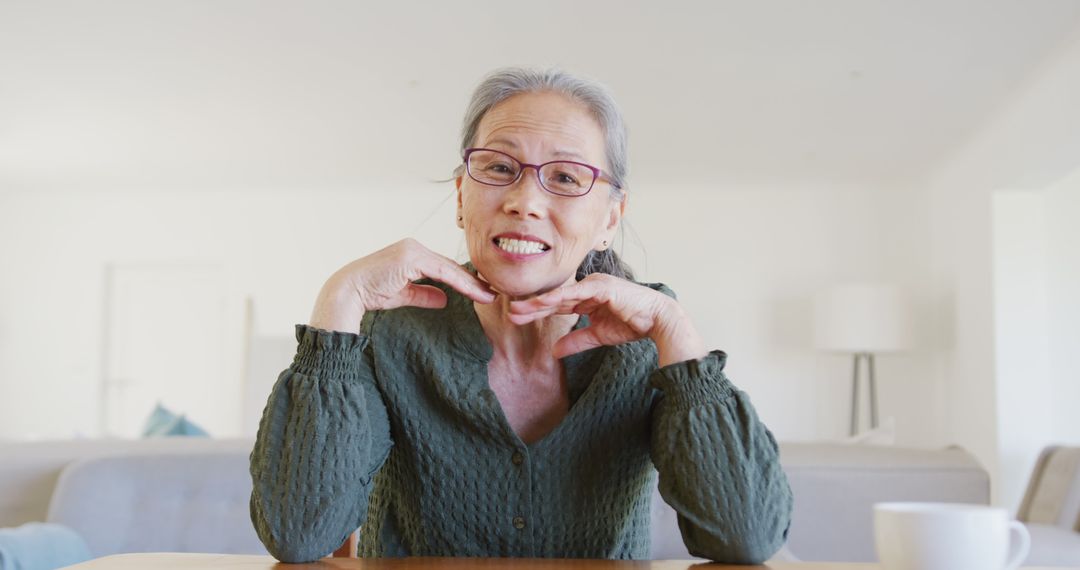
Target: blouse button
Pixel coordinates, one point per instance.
(519, 522)
(518, 458)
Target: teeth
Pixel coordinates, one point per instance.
(520, 246)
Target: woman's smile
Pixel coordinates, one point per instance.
(520, 247)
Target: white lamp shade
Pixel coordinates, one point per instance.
(862, 317)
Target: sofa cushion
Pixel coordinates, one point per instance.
(158, 503)
(1053, 546)
(29, 470)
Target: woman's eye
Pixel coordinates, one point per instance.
(500, 167)
(564, 178)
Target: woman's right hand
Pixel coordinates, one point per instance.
(384, 280)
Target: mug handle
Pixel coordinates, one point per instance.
(1025, 544)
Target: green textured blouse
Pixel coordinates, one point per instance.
(398, 430)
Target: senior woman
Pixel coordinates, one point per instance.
(518, 405)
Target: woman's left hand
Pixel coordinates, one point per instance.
(619, 311)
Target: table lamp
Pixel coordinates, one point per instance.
(862, 319)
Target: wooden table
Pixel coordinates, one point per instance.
(173, 561)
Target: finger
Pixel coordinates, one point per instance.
(425, 296)
(594, 290)
(569, 295)
(562, 309)
(587, 306)
(524, 319)
(445, 270)
(542, 302)
(575, 342)
(529, 306)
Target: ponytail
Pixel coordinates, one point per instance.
(605, 261)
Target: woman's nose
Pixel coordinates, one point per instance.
(526, 197)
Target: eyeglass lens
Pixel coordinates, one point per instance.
(560, 177)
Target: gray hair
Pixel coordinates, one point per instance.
(504, 83)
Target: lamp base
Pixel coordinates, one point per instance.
(855, 392)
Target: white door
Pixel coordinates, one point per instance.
(165, 339)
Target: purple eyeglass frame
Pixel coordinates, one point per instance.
(597, 173)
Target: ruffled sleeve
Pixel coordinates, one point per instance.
(719, 465)
(323, 435)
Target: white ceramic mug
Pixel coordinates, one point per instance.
(946, 536)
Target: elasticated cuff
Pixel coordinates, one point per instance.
(693, 382)
(328, 353)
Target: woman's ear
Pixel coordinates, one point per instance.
(460, 216)
(614, 217)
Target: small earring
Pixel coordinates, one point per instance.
(605, 243)
(459, 218)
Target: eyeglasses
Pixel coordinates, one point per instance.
(561, 177)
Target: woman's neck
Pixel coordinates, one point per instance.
(528, 346)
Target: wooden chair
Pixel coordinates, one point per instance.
(1053, 492)
(1051, 508)
(348, 548)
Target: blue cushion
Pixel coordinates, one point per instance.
(41, 546)
(164, 422)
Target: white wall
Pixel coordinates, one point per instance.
(1063, 283)
(1033, 141)
(1024, 385)
(746, 261)
(1037, 307)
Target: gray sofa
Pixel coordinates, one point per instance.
(190, 495)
